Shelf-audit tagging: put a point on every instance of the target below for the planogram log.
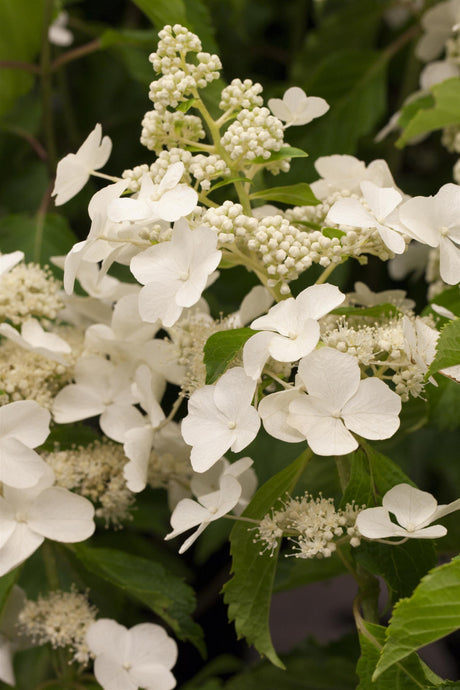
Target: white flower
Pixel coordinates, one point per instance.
(138, 439)
(413, 509)
(168, 200)
(35, 339)
(58, 33)
(439, 23)
(345, 173)
(101, 388)
(220, 417)
(175, 273)
(296, 108)
(210, 507)
(29, 516)
(339, 403)
(8, 261)
(367, 298)
(290, 330)
(381, 202)
(23, 425)
(435, 221)
(209, 481)
(140, 657)
(74, 170)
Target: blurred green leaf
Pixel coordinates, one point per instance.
(37, 241)
(221, 348)
(248, 593)
(354, 85)
(377, 311)
(6, 585)
(167, 595)
(161, 12)
(309, 668)
(445, 112)
(20, 40)
(296, 195)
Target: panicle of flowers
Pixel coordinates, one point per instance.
(158, 168)
(179, 78)
(95, 472)
(312, 525)
(29, 290)
(60, 619)
(26, 375)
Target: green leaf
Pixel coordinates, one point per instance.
(296, 195)
(229, 180)
(298, 572)
(284, 152)
(449, 298)
(401, 566)
(376, 311)
(185, 106)
(432, 612)
(162, 12)
(412, 675)
(248, 593)
(20, 40)
(149, 582)
(409, 110)
(114, 37)
(194, 15)
(447, 348)
(332, 232)
(311, 667)
(359, 487)
(38, 242)
(6, 585)
(354, 85)
(445, 112)
(221, 348)
(385, 473)
(444, 404)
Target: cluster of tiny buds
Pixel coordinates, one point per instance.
(180, 79)
(169, 129)
(241, 94)
(255, 133)
(311, 524)
(158, 168)
(285, 251)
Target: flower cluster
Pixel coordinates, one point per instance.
(60, 619)
(312, 525)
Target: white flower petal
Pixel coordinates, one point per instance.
(411, 507)
(60, 515)
(373, 411)
(331, 375)
(25, 421)
(21, 544)
(274, 411)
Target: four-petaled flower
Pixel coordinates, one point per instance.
(414, 511)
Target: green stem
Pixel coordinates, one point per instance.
(343, 465)
(47, 90)
(40, 223)
(325, 274)
(215, 135)
(51, 570)
(76, 53)
(17, 64)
